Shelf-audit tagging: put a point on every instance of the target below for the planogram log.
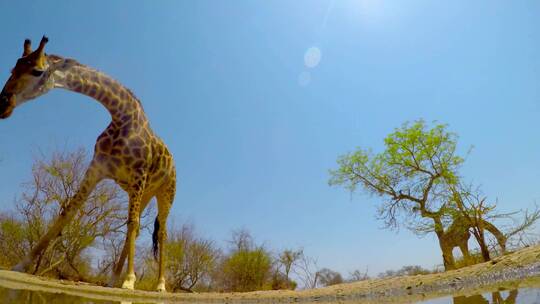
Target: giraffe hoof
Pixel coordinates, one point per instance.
(129, 283)
(161, 287)
(113, 281)
(21, 267)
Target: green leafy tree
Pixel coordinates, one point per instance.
(412, 175)
(247, 267)
(288, 259)
(417, 175)
(247, 270)
(414, 167)
(13, 237)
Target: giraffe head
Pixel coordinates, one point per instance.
(29, 78)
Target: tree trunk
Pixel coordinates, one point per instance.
(447, 255)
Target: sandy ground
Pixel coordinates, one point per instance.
(510, 271)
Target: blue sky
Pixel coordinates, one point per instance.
(254, 130)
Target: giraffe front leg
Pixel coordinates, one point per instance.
(133, 227)
(23, 265)
(88, 183)
(118, 267)
(464, 247)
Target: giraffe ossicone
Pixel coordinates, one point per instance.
(128, 151)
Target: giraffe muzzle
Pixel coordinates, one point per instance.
(7, 104)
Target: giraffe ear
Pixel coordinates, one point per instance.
(27, 47)
(55, 60)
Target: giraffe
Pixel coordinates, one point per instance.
(458, 235)
(127, 152)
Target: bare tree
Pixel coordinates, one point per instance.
(54, 182)
(480, 215)
(289, 258)
(358, 275)
(190, 258)
(241, 239)
(112, 247)
(99, 224)
(307, 271)
(520, 233)
(473, 207)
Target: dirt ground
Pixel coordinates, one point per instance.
(513, 270)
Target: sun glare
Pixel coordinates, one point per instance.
(366, 11)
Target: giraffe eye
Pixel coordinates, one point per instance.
(36, 73)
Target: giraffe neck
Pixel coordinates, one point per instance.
(117, 99)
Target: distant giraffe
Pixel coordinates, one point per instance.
(127, 151)
(458, 235)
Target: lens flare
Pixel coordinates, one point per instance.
(312, 57)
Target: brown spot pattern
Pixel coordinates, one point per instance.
(127, 151)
